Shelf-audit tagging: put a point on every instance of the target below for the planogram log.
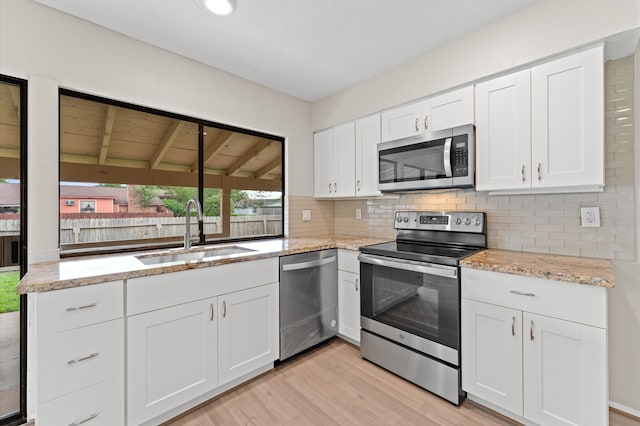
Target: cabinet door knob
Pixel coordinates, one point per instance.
(531, 336)
(513, 326)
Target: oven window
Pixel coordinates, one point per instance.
(421, 304)
(412, 163)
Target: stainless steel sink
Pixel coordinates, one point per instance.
(157, 259)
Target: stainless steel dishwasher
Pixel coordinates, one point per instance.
(308, 300)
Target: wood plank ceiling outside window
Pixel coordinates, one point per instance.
(112, 144)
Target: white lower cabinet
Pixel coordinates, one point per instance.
(349, 295)
(172, 358)
(247, 331)
(565, 372)
(535, 348)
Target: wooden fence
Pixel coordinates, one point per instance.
(74, 231)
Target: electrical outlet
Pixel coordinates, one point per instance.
(590, 217)
(306, 215)
(358, 213)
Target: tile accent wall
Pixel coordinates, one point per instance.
(534, 223)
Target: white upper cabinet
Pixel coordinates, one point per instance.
(567, 117)
(451, 109)
(541, 129)
(334, 159)
(503, 132)
(367, 139)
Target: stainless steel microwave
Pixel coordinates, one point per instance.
(442, 159)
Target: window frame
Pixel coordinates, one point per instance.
(80, 249)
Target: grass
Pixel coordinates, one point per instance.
(9, 300)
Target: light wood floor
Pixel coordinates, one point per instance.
(332, 385)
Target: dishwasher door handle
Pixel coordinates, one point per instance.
(309, 264)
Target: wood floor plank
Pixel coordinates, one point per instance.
(333, 385)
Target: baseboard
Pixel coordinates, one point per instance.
(623, 409)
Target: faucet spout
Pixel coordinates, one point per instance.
(187, 232)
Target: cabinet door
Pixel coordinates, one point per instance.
(349, 305)
(172, 358)
(449, 110)
(567, 108)
(492, 354)
(367, 140)
(323, 163)
(565, 372)
(503, 132)
(344, 137)
(402, 122)
(248, 331)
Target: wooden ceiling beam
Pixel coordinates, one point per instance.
(163, 147)
(110, 118)
(213, 148)
(247, 156)
(263, 171)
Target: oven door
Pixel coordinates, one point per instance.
(413, 303)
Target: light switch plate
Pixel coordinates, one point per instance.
(590, 217)
(306, 215)
(358, 213)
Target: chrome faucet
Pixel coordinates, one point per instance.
(187, 233)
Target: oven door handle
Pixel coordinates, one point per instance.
(410, 265)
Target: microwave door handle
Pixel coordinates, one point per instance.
(447, 157)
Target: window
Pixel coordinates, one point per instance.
(127, 172)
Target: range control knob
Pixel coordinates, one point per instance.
(467, 221)
(399, 219)
(406, 219)
(458, 221)
(478, 221)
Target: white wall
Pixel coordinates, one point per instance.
(544, 29)
(38, 41)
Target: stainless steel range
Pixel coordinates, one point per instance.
(410, 297)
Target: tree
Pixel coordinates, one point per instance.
(145, 194)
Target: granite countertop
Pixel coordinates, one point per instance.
(77, 272)
(577, 270)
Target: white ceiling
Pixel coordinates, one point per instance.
(305, 48)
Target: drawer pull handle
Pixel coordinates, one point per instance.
(81, 308)
(88, 419)
(522, 293)
(513, 326)
(84, 358)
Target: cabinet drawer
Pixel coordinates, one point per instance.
(194, 284)
(580, 303)
(62, 310)
(348, 261)
(101, 404)
(79, 358)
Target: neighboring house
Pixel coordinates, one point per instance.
(103, 199)
(9, 197)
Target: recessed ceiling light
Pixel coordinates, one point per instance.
(220, 7)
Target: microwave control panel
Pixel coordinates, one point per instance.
(460, 156)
